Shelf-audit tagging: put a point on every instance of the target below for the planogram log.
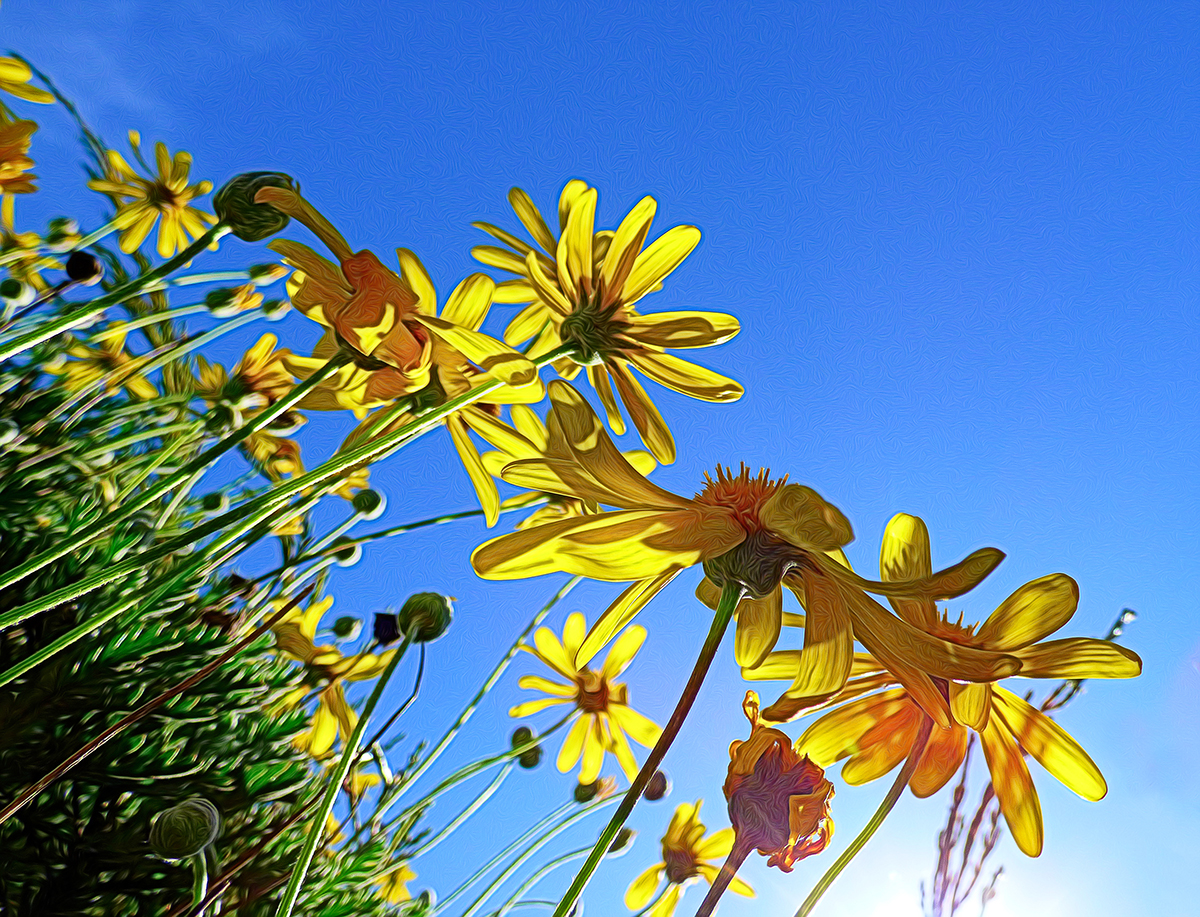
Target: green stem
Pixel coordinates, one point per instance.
(731, 594)
(340, 772)
(96, 235)
(199, 877)
(889, 802)
(466, 813)
(515, 899)
(94, 308)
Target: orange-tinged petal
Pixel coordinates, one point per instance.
(1014, 787)
(645, 416)
(905, 555)
(837, 734)
(621, 612)
(1078, 657)
(683, 329)
(1034, 611)
(1051, 746)
(942, 758)
(885, 746)
(686, 378)
(758, 624)
(653, 265)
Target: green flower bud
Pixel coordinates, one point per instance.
(62, 234)
(216, 502)
(15, 293)
(348, 556)
(266, 274)
(369, 504)
(425, 616)
(236, 208)
(8, 431)
(530, 759)
(276, 310)
(185, 830)
(347, 628)
(622, 842)
(586, 792)
(522, 735)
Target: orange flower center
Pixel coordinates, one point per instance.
(954, 631)
(592, 696)
(740, 494)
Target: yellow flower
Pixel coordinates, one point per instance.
(602, 703)
(752, 531)
(395, 885)
(876, 731)
(326, 666)
(141, 201)
(584, 286)
(686, 855)
(110, 361)
(259, 379)
(14, 156)
(24, 248)
(778, 799)
(14, 79)
(276, 456)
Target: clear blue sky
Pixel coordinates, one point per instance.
(962, 241)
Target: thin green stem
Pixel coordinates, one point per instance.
(340, 772)
(199, 877)
(96, 235)
(90, 310)
(731, 594)
(466, 813)
(515, 899)
(885, 807)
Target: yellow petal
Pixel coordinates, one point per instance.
(500, 258)
(805, 518)
(716, 845)
(546, 686)
(620, 613)
(639, 728)
(504, 236)
(535, 706)
(943, 756)
(824, 663)
(971, 704)
(575, 265)
(593, 751)
(622, 651)
(641, 890)
(1079, 657)
(683, 329)
(667, 903)
(514, 291)
(836, 735)
(484, 486)
(1051, 746)
(571, 192)
(741, 887)
(532, 220)
(413, 271)
(530, 426)
(1037, 609)
(498, 433)
(573, 633)
(526, 323)
(553, 653)
(598, 376)
(619, 746)
(654, 264)
(548, 290)
(686, 378)
(324, 731)
(1014, 787)
(469, 303)
(887, 745)
(645, 416)
(627, 244)
(905, 555)
(573, 745)
(498, 359)
(758, 625)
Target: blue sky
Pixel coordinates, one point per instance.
(961, 239)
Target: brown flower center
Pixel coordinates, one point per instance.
(681, 865)
(740, 493)
(161, 197)
(593, 693)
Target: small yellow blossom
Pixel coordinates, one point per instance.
(14, 156)
(259, 379)
(14, 79)
(85, 366)
(395, 885)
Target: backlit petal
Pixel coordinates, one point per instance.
(1051, 746)
(534, 706)
(638, 727)
(943, 756)
(531, 219)
(1034, 611)
(837, 734)
(546, 686)
(687, 378)
(905, 555)
(716, 845)
(653, 265)
(645, 416)
(573, 745)
(469, 303)
(1014, 787)
(758, 625)
(1078, 657)
(621, 612)
(498, 359)
(883, 747)
(485, 487)
(623, 651)
(824, 663)
(683, 329)
(641, 890)
(551, 652)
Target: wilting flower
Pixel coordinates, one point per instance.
(584, 286)
(778, 799)
(601, 702)
(14, 79)
(387, 319)
(110, 362)
(327, 669)
(686, 857)
(14, 156)
(875, 729)
(751, 531)
(259, 379)
(141, 201)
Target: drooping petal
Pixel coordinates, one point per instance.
(645, 416)
(1034, 611)
(824, 663)
(573, 744)
(943, 756)
(945, 584)
(1078, 657)
(621, 612)
(716, 845)
(758, 625)
(905, 555)
(653, 265)
(1051, 746)
(485, 487)
(837, 734)
(686, 378)
(641, 890)
(498, 359)
(971, 704)
(598, 376)
(1014, 787)
(670, 330)
(622, 652)
(667, 903)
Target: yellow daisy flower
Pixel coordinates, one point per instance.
(605, 716)
(141, 201)
(687, 856)
(29, 263)
(259, 379)
(14, 156)
(84, 365)
(584, 286)
(876, 729)
(294, 638)
(753, 531)
(278, 457)
(14, 79)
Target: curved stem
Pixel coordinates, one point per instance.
(731, 594)
(889, 802)
(466, 813)
(733, 862)
(340, 772)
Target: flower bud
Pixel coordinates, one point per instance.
(286, 423)
(586, 792)
(266, 274)
(185, 830)
(85, 268)
(658, 787)
(249, 221)
(62, 234)
(15, 293)
(216, 502)
(522, 735)
(348, 556)
(425, 616)
(8, 431)
(276, 310)
(387, 628)
(369, 504)
(622, 842)
(347, 628)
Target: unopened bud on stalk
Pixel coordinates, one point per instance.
(62, 234)
(85, 268)
(348, 556)
(387, 628)
(369, 504)
(16, 294)
(622, 842)
(185, 830)
(347, 628)
(249, 221)
(276, 310)
(531, 757)
(658, 787)
(425, 616)
(266, 274)
(216, 502)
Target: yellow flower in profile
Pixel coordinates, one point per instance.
(754, 531)
(14, 156)
(687, 856)
(395, 885)
(584, 286)
(602, 703)
(14, 79)
(327, 669)
(876, 729)
(259, 379)
(277, 456)
(85, 366)
(142, 201)
(22, 251)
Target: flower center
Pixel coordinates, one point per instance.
(740, 493)
(681, 865)
(161, 197)
(592, 696)
(954, 631)
(594, 331)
